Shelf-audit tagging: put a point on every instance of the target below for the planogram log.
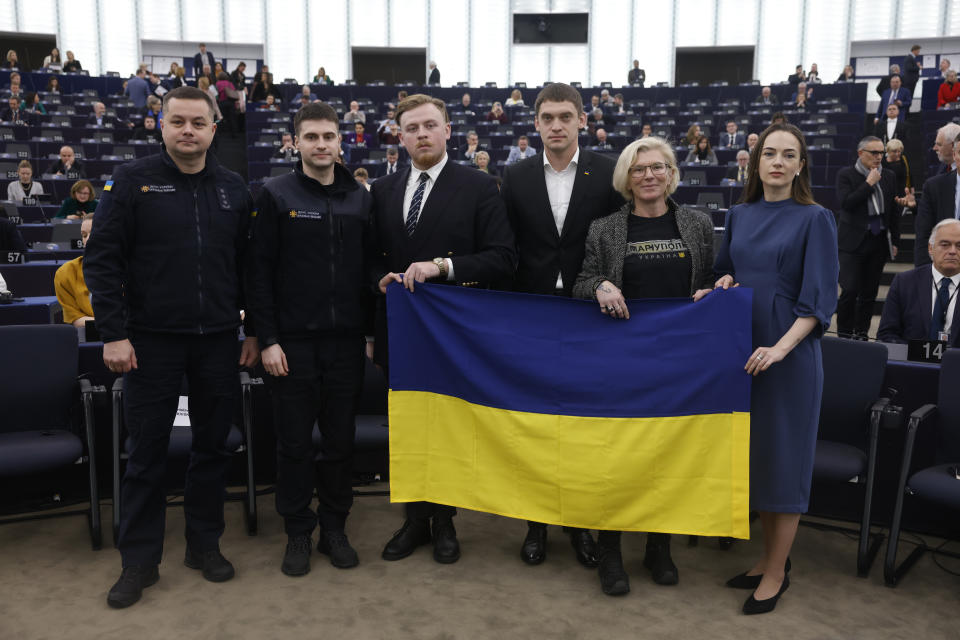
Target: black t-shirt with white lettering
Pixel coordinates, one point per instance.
(657, 263)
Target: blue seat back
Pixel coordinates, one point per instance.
(38, 377)
(853, 374)
(948, 407)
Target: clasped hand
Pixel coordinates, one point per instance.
(416, 272)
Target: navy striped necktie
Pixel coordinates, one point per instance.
(413, 214)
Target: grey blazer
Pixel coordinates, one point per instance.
(607, 248)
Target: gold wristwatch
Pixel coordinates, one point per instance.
(442, 265)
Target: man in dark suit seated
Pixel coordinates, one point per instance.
(897, 95)
(99, 118)
(766, 97)
(67, 166)
(922, 303)
(891, 126)
(10, 238)
(444, 222)
(392, 164)
(869, 229)
(739, 172)
(14, 114)
(732, 139)
(287, 151)
(551, 199)
(148, 132)
(601, 142)
(938, 203)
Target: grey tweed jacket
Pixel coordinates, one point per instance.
(607, 248)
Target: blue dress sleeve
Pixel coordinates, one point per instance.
(818, 291)
(723, 264)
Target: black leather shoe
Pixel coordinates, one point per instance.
(753, 606)
(743, 581)
(446, 549)
(336, 545)
(534, 549)
(613, 578)
(296, 557)
(130, 586)
(584, 547)
(657, 559)
(215, 567)
(413, 534)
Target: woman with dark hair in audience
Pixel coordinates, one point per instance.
(53, 59)
(31, 103)
(322, 77)
(11, 62)
(614, 270)
(897, 162)
(783, 245)
(693, 134)
(848, 75)
(949, 91)
(702, 153)
(238, 77)
(53, 85)
(23, 186)
(778, 118)
(72, 64)
(80, 202)
(264, 87)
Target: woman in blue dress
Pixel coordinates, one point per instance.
(783, 245)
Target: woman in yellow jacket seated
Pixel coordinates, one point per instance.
(72, 292)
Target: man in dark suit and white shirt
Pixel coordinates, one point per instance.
(912, 68)
(551, 199)
(922, 303)
(897, 95)
(939, 202)
(391, 165)
(444, 222)
(732, 139)
(766, 97)
(202, 58)
(891, 126)
(869, 229)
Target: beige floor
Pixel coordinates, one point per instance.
(53, 586)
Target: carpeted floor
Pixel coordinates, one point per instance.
(53, 586)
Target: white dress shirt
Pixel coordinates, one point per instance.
(559, 188)
(412, 182)
(955, 281)
(891, 127)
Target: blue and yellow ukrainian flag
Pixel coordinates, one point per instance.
(544, 409)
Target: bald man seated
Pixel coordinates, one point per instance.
(67, 166)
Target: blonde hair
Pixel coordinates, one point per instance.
(621, 174)
(894, 145)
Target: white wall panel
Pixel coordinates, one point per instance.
(694, 22)
(529, 64)
(652, 41)
(8, 20)
(244, 21)
(327, 39)
(490, 41)
(737, 22)
(158, 20)
(449, 34)
(79, 32)
(37, 16)
(826, 40)
(408, 24)
(609, 43)
(286, 46)
(920, 19)
(203, 22)
(778, 51)
(872, 19)
(368, 23)
(118, 40)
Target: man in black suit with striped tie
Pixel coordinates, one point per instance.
(439, 221)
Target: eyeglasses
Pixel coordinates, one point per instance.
(658, 169)
(875, 154)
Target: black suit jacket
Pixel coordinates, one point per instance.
(542, 252)
(853, 192)
(880, 130)
(911, 72)
(463, 219)
(434, 76)
(198, 63)
(381, 169)
(26, 117)
(908, 309)
(637, 76)
(936, 204)
(10, 238)
(883, 85)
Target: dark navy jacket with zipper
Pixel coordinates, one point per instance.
(309, 257)
(167, 249)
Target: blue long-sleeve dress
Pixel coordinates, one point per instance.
(787, 253)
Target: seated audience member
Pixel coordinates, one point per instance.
(922, 302)
(646, 130)
(596, 120)
(740, 171)
(732, 139)
(99, 118)
(891, 127)
(361, 176)
(391, 165)
(896, 162)
(80, 202)
(944, 67)
(12, 61)
(264, 87)
(600, 141)
(522, 151)
(618, 108)
(148, 132)
(385, 123)
(304, 100)
(390, 135)
(138, 89)
(702, 153)
(814, 76)
(305, 91)
(270, 104)
(693, 134)
(286, 150)
(779, 118)
(358, 138)
(897, 95)
(238, 76)
(497, 114)
(322, 77)
(949, 91)
(752, 140)
(52, 59)
(67, 166)
(10, 240)
(23, 186)
(465, 105)
(469, 150)
(14, 114)
(515, 99)
(594, 104)
(72, 64)
(154, 107)
(355, 115)
(53, 85)
(483, 164)
(31, 103)
(766, 97)
(884, 83)
(797, 76)
(70, 287)
(802, 100)
(847, 75)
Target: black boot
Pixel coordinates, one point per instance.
(658, 560)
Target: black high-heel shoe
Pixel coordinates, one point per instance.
(753, 606)
(743, 581)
